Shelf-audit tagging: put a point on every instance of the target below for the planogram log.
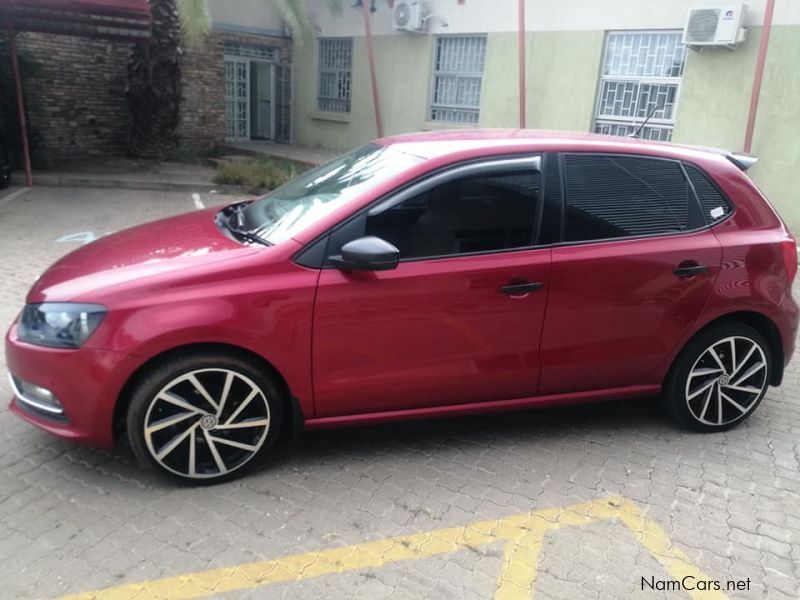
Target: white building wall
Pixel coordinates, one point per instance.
(489, 16)
(246, 16)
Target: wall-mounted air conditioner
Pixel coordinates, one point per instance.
(717, 26)
(408, 15)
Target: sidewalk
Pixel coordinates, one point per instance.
(130, 174)
(123, 173)
(305, 155)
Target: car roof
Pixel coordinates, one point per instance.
(439, 144)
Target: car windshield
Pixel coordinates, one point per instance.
(305, 200)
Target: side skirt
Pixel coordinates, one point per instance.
(458, 410)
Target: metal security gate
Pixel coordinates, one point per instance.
(237, 98)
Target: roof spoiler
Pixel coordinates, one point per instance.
(741, 160)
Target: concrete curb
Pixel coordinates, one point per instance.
(262, 153)
(152, 185)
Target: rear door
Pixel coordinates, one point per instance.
(634, 268)
(459, 320)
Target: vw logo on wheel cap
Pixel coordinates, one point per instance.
(208, 422)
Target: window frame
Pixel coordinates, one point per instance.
(561, 209)
(312, 256)
(636, 122)
(321, 71)
(432, 105)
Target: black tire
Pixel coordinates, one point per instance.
(214, 433)
(702, 412)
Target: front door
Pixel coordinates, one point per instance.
(460, 319)
(633, 273)
(261, 101)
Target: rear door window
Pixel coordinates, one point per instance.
(618, 196)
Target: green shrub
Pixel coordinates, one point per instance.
(256, 174)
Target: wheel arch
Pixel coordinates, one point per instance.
(293, 416)
(758, 321)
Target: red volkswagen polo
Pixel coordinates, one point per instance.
(418, 276)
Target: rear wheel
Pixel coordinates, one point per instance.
(204, 418)
(720, 378)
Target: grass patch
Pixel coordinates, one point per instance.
(257, 174)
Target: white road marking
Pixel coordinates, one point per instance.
(198, 203)
(13, 196)
(84, 237)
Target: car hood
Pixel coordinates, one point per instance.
(146, 251)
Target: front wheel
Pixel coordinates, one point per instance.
(720, 378)
(204, 418)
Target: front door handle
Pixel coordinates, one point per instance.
(522, 288)
(689, 269)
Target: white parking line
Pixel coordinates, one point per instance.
(198, 203)
(13, 195)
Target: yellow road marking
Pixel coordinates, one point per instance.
(522, 534)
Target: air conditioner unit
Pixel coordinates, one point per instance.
(408, 16)
(719, 26)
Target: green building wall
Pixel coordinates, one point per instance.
(563, 68)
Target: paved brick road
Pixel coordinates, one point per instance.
(74, 520)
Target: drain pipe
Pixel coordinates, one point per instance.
(23, 127)
(763, 43)
(376, 99)
(522, 119)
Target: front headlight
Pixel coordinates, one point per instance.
(59, 324)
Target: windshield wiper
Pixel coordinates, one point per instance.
(248, 236)
(233, 223)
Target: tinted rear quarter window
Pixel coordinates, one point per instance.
(713, 203)
(615, 196)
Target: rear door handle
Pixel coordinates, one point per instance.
(517, 289)
(690, 270)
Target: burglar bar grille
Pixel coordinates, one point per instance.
(457, 78)
(641, 75)
(335, 75)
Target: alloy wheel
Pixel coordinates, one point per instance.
(206, 423)
(726, 381)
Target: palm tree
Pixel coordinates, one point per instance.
(154, 85)
(195, 20)
(154, 67)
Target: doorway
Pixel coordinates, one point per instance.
(262, 105)
(250, 92)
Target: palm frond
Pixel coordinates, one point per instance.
(195, 21)
(295, 15)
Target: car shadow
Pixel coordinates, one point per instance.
(604, 423)
(500, 429)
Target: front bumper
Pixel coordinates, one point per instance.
(86, 381)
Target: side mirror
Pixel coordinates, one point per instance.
(367, 254)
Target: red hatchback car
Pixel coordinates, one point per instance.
(418, 276)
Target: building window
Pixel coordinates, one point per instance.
(335, 75)
(257, 51)
(641, 74)
(457, 78)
